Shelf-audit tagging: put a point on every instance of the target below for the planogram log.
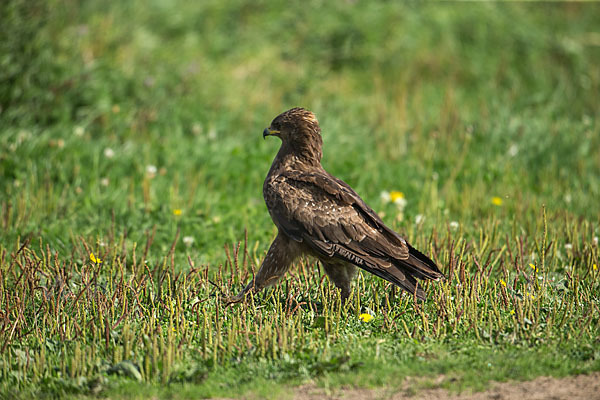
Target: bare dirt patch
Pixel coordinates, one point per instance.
(573, 387)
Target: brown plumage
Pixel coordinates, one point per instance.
(321, 216)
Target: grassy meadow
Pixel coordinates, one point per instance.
(131, 169)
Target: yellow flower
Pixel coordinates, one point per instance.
(595, 267)
(512, 312)
(502, 282)
(395, 195)
(533, 267)
(531, 296)
(94, 259)
(365, 317)
(177, 211)
(497, 201)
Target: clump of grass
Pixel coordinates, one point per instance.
(69, 324)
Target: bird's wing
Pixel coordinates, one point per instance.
(326, 214)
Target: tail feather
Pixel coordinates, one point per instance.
(402, 273)
(421, 266)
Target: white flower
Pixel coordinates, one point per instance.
(454, 225)
(151, 170)
(400, 202)
(513, 150)
(212, 133)
(79, 131)
(197, 128)
(109, 153)
(104, 181)
(568, 246)
(435, 176)
(188, 240)
(595, 241)
(385, 196)
(419, 218)
(568, 198)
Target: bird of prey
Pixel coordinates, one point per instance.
(319, 215)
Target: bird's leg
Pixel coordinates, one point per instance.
(341, 274)
(278, 260)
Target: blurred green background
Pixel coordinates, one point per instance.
(116, 117)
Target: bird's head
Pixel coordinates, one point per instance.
(299, 132)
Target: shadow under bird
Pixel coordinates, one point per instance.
(319, 215)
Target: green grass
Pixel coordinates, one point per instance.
(452, 104)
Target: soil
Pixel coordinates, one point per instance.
(573, 387)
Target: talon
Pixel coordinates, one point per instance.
(234, 299)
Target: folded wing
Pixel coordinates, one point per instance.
(326, 214)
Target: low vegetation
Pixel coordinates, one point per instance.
(131, 167)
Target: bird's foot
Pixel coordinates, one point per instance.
(234, 299)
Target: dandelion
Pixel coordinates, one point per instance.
(533, 267)
(177, 212)
(419, 218)
(454, 225)
(568, 246)
(502, 282)
(365, 317)
(188, 240)
(497, 201)
(396, 195)
(94, 259)
(109, 153)
(595, 267)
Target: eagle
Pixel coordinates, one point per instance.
(319, 215)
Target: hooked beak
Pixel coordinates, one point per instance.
(270, 132)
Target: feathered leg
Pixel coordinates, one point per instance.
(341, 274)
(278, 260)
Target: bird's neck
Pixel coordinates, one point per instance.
(287, 159)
